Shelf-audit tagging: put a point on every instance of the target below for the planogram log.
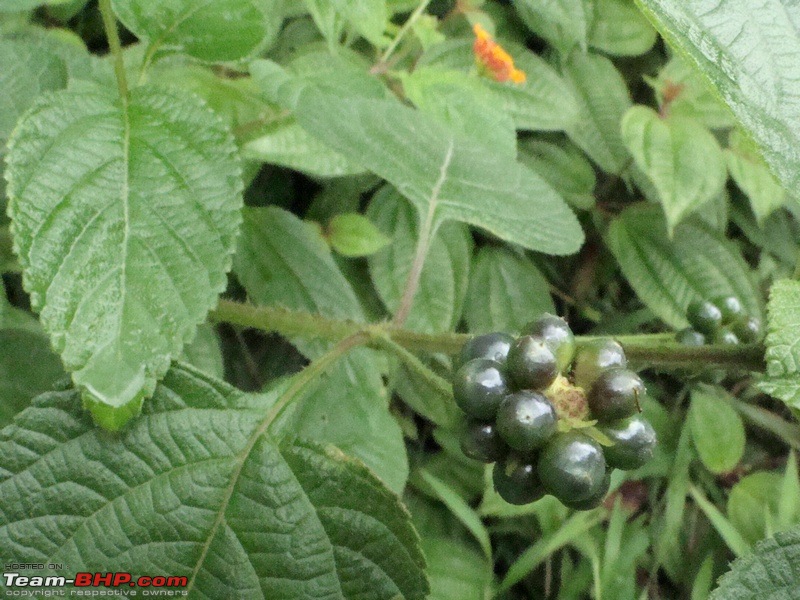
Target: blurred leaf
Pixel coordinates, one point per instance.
(564, 167)
(445, 274)
(222, 30)
(789, 495)
(668, 275)
(724, 527)
(753, 176)
(563, 23)
(717, 430)
(783, 343)
(455, 572)
(353, 235)
(618, 27)
(753, 503)
(204, 352)
(603, 100)
(681, 158)
(701, 587)
(767, 573)
(443, 174)
(506, 291)
(748, 53)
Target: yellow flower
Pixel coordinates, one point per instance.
(492, 59)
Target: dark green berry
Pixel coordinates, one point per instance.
(516, 479)
(595, 499)
(526, 420)
(704, 316)
(730, 308)
(595, 357)
(479, 387)
(531, 364)
(571, 466)
(480, 441)
(615, 394)
(748, 330)
(557, 334)
(634, 441)
(690, 337)
(726, 337)
(493, 346)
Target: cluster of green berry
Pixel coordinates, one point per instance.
(530, 403)
(723, 320)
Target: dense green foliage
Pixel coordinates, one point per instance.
(251, 250)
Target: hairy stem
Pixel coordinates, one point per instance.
(114, 44)
(658, 349)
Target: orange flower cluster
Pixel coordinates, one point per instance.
(492, 59)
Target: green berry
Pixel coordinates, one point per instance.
(594, 358)
(526, 420)
(615, 394)
(493, 346)
(531, 364)
(726, 337)
(557, 334)
(595, 499)
(480, 441)
(704, 316)
(479, 387)
(572, 466)
(748, 330)
(730, 308)
(634, 441)
(690, 337)
(516, 480)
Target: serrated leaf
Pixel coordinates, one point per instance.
(124, 221)
(783, 351)
(222, 30)
(446, 176)
(199, 487)
(618, 27)
(543, 101)
(563, 23)
(717, 430)
(27, 368)
(506, 291)
(603, 100)
(352, 234)
(445, 274)
(753, 177)
(564, 167)
(768, 573)
(681, 158)
(747, 52)
(668, 274)
(349, 406)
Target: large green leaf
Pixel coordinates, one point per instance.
(783, 349)
(199, 487)
(768, 573)
(284, 262)
(603, 99)
(682, 159)
(212, 30)
(668, 274)
(124, 221)
(506, 291)
(445, 274)
(748, 51)
(445, 175)
(717, 430)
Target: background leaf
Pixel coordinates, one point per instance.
(443, 174)
(209, 30)
(124, 222)
(351, 234)
(669, 274)
(783, 350)
(717, 430)
(207, 492)
(506, 292)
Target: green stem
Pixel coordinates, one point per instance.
(110, 25)
(404, 29)
(658, 349)
(383, 341)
